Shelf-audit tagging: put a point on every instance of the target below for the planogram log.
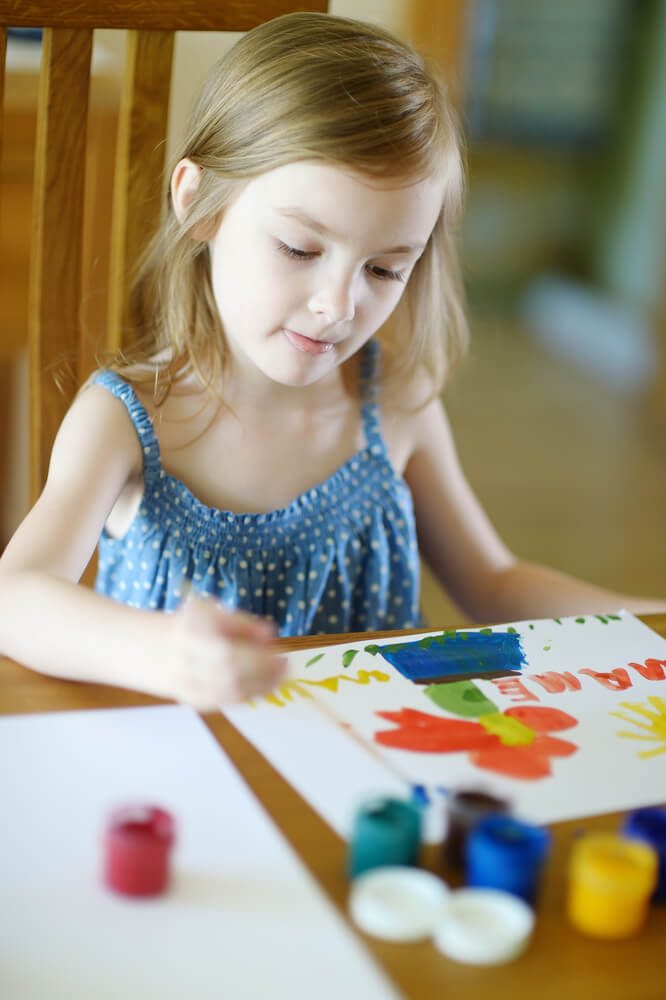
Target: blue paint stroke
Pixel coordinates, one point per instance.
(456, 654)
(420, 795)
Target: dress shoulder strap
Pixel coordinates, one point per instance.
(143, 425)
(370, 370)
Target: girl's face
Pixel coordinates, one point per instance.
(309, 260)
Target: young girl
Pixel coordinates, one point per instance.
(279, 443)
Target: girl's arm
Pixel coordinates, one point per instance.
(466, 554)
(202, 654)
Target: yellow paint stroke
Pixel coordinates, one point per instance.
(655, 725)
(511, 732)
(299, 685)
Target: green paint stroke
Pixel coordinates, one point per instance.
(315, 659)
(512, 732)
(604, 619)
(348, 656)
(460, 698)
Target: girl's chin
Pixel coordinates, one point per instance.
(299, 370)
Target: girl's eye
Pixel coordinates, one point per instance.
(295, 252)
(385, 273)
(380, 273)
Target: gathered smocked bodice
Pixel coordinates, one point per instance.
(341, 557)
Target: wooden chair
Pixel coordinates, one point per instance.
(57, 241)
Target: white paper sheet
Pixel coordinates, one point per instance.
(617, 763)
(243, 918)
(326, 766)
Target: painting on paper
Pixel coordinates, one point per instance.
(564, 717)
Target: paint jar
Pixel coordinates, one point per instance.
(386, 831)
(138, 840)
(508, 854)
(465, 808)
(649, 825)
(611, 878)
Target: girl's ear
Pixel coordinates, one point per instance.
(184, 183)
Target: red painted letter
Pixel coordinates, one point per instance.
(616, 680)
(555, 682)
(514, 688)
(651, 670)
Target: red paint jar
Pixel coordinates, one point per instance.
(137, 843)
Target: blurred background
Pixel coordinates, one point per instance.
(560, 410)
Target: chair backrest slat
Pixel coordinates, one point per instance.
(57, 233)
(3, 49)
(137, 201)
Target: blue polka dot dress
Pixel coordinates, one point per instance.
(342, 557)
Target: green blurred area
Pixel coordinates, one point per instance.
(567, 148)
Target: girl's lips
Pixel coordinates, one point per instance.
(306, 344)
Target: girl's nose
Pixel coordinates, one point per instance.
(335, 299)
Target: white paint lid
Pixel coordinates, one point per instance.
(484, 926)
(398, 903)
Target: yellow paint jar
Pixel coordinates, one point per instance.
(611, 879)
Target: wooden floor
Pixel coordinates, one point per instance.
(572, 473)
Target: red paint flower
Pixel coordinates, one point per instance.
(425, 733)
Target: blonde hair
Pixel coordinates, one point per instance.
(309, 86)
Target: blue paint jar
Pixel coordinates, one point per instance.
(386, 831)
(649, 825)
(506, 853)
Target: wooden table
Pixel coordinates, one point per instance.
(559, 962)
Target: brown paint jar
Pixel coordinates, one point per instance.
(464, 809)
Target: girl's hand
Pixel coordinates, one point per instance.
(217, 657)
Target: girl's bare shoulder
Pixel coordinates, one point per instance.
(406, 411)
(178, 407)
(98, 422)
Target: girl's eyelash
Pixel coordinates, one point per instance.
(380, 273)
(385, 273)
(295, 252)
